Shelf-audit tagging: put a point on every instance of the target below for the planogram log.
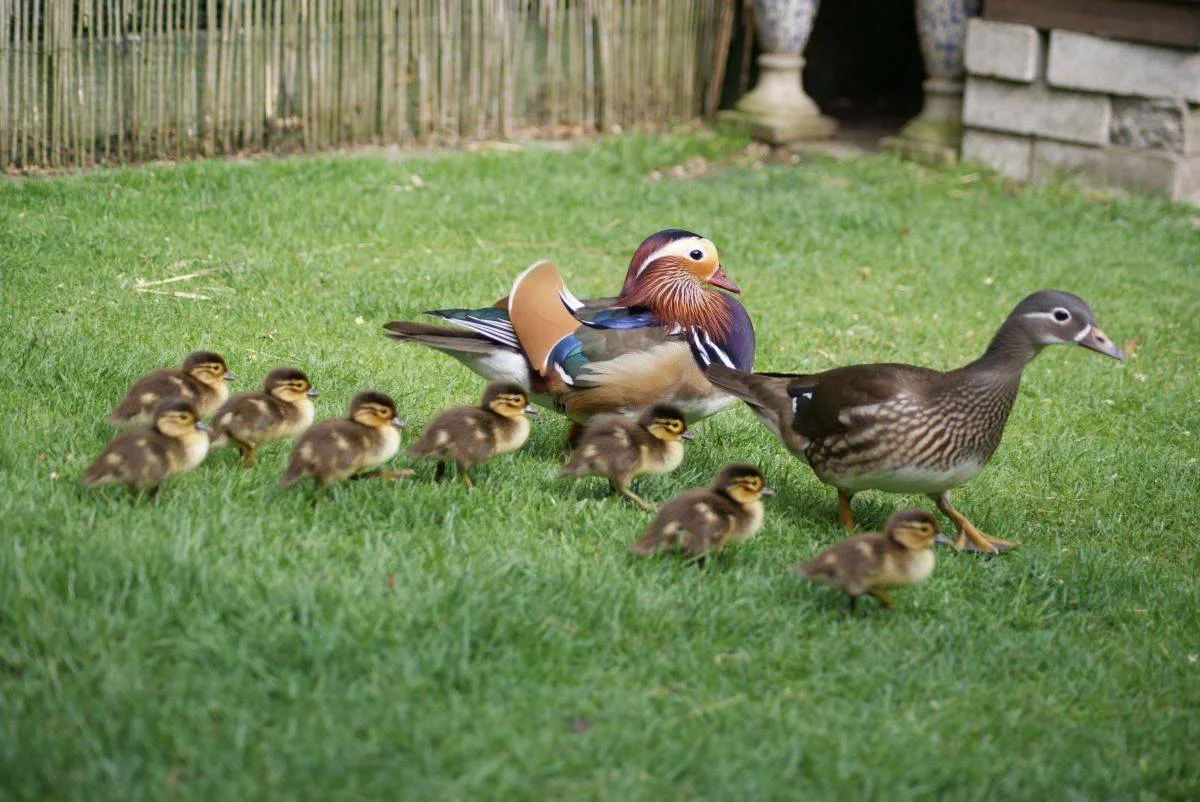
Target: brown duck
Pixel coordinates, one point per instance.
(908, 429)
(143, 458)
(620, 449)
(872, 563)
(704, 520)
(200, 379)
(468, 436)
(337, 448)
(283, 408)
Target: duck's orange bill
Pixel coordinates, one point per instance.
(719, 279)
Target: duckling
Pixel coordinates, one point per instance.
(142, 458)
(283, 408)
(200, 379)
(871, 563)
(620, 449)
(336, 448)
(704, 520)
(468, 436)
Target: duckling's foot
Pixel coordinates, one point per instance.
(635, 498)
(883, 597)
(247, 455)
(466, 477)
(845, 513)
(388, 475)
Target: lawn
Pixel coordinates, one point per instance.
(418, 641)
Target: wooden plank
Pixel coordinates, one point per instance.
(1162, 22)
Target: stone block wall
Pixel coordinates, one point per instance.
(1103, 112)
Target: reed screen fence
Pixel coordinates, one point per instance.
(85, 82)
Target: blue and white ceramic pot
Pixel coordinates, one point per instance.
(777, 108)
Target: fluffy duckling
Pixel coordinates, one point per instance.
(200, 379)
(283, 408)
(142, 458)
(468, 436)
(620, 449)
(871, 563)
(704, 520)
(336, 448)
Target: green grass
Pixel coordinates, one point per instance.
(412, 641)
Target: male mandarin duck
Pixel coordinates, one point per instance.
(583, 358)
(908, 429)
(873, 563)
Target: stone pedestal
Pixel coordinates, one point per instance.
(935, 135)
(777, 110)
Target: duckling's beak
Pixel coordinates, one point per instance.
(202, 426)
(312, 393)
(1095, 339)
(399, 423)
(230, 377)
(768, 491)
(720, 279)
(687, 436)
(530, 409)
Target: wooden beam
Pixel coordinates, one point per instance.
(1175, 23)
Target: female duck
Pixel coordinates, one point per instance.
(907, 429)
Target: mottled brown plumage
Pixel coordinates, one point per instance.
(144, 457)
(620, 449)
(872, 563)
(200, 379)
(908, 429)
(468, 436)
(283, 408)
(704, 520)
(336, 448)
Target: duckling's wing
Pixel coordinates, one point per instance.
(148, 391)
(247, 412)
(849, 565)
(461, 433)
(136, 457)
(610, 445)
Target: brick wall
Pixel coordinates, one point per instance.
(1103, 112)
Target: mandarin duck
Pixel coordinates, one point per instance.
(619, 449)
(142, 458)
(200, 379)
(908, 429)
(704, 520)
(872, 563)
(283, 408)
(583, 358)
(337, 448)
(468, 436)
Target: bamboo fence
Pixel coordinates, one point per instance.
(85, 82)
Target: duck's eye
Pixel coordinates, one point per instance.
(696, 254)
(1062, 315)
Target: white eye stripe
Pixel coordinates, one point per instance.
(679, 247)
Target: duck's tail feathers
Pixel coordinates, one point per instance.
(444, 338)
(542, 311)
